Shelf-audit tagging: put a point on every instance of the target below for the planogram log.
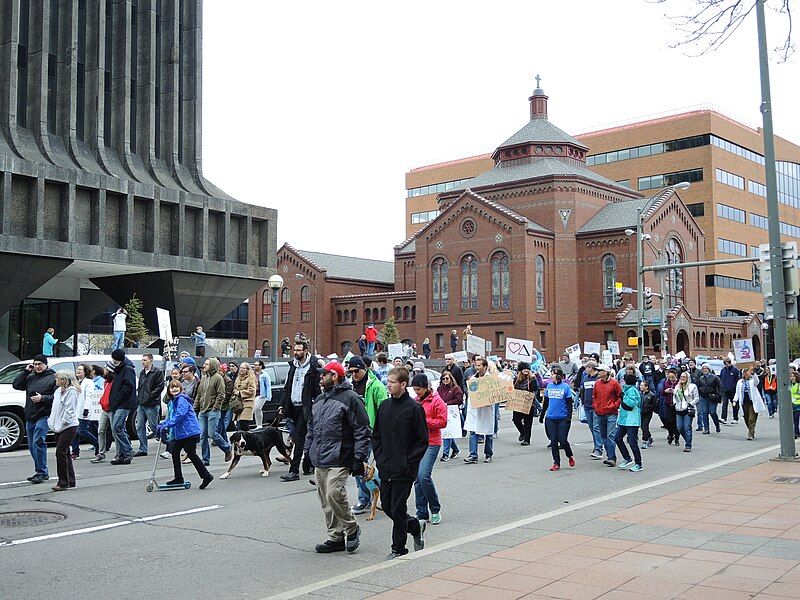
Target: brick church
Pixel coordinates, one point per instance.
(529, 249)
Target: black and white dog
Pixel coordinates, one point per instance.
(258, 442)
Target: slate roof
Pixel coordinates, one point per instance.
(350, 267)
(541, 130)
(622, 215)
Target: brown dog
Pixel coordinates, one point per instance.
(373, 483)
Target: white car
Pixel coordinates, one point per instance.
(12, 402)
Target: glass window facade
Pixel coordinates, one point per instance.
(737, 150)
(759, 221)
(730, 179)
(697, 210)
(648, 150)
(424, 217)
(733, 283)
(759, 189)
(788, 183)
(731, 213)
(674, 253)
(436, 188)
(666, 179)
(730, 247)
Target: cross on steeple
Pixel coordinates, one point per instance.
(537, 78)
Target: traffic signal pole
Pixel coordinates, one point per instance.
(640, 282)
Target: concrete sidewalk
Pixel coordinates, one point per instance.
(730, 533)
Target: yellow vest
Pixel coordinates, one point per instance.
(795, 389)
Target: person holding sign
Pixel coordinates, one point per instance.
(526, 382)
(480, 421)
(451, 395)
(749, 398)
(87, 422)
(557, 414)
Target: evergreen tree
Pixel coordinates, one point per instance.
(389, 332)
(136, 329)
(793, 332)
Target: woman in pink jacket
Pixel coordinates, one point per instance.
(428, 506)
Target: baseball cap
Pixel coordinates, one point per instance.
(335, 367)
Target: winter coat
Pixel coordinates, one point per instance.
(435, 417)
(400, 438)
(182, 420)
(33, 383)
(685, 398)
(311, 389)
(150, 387)
(211, 390)
(458, 375)
(794, 389)
(64, 413)
(338, 428)
(755, 395)
(245, 388)
(606, 397)
(587, 389)
(649, 403)
(374, 395)
(123, 388)
(633, 398)
(451, 394)
(729, 376)
(709, 387)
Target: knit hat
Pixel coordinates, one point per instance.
(40, 358)
(118, 354)
(336, 367)
(357, 362)
(419, 380)
(521, 366)
(419, 366)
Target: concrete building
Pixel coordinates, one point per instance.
(102, 191)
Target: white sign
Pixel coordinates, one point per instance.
(607, 359)
(591, 348)
(93, 403)
(680, 355)
(458, 356)
(475, 344)
(164, 325)
(743, 349)
(396, 351)
(732, 357)
(453, 429)
(574, 349)
(613, 347)
(519, 350)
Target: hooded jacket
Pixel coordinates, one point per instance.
(123, 388)
(338, 428)
(400, 438)
(182, 418)
(32, 383)
(633, 398)
(211, 389)
(606, 397)
(374, 395)
(435, 417)
(709, 387)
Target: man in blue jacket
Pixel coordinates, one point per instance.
(121, 401)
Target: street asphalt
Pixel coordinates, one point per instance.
(253, 537)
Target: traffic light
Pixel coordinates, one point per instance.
(678, 282)
(648, 299)
(618, 294)
(756, 276)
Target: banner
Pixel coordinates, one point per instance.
(520, 401)
(487, 390)
(743, 349)
(476, 345)
(458, 356)
(613, 347)
(395, 350)
(521, 350)
(591, 347)
(453, 429)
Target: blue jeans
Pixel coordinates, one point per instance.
(684, 424)
(424, 490)
(771, 400)
(702, 413)
(591, 421)
(224, 420)
(488, 443)
(364, 495)
(606, 428)
(119, 429)
(86, 429)
(37, 444)
(119, 340)
(209, 424)
(370, 348)
(449, 447)
(145, 415)
(632, 433)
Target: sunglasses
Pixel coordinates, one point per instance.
(353, 371)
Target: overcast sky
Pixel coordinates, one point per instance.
(319, 108)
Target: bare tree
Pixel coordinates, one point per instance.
(710, 23)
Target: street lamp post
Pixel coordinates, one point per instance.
(275, 283)
(640, 281)
(316, 293)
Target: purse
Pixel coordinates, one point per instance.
(236, 404)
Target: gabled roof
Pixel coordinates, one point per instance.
(349, 267)
(542, 130)
(622, 215)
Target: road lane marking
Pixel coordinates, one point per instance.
(25, 481)
(69, 533)
(312, 587)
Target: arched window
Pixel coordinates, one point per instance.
(646, 340)
(266, 306)
(286, 306)
(500, 280)
(413, 312)
(406, 313)
(374, 315)
(398, 313)
(441, 288)
(609, 279)
(703, 340)
(539, 282)
(674, 253)
(338, 316)
(353, 315)
(469, 283)
(346, 316)
(305, 304)
(367, 315)
(383, 314)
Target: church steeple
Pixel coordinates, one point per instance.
(538, 102)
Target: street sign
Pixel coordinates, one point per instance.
(626, 290)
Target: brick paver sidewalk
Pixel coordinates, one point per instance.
(734, 537)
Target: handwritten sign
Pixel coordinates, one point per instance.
(613, 347)
(591, 347)
(519, 350)
(520, 401)
(743, 349)
(164, 324)
(395, 351)
(484, 391)
(458, 356)
(93, 403)
(680, 355)
(453, 429)
(607, 358)
(476, 345)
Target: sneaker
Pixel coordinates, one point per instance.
(471, 460)
(687, 448)
(186, 460)
(487, 459)
(625, 464)
(445, 457)
(32, 477)
(391, 556)
(206, 481)
(699, 429)
(480, 439)
(610, 462)
(736, 421)
(290, 476)
(121, 460)
(39, 478)
(165, 454)
(74, 456)
(718, 429)
(525, 443)
(595, 455)
(571, 462)
(723, 421)
(330, 546)
(359, 509)
(419, 540)
(229, 455)
(644, 445)
(555, 467)
(140, 453)
(706, 432)
(520, 438)
(98, 459)
(650, 443)
(636, 468)
(351, 541)
(455, 454)
(436, 518)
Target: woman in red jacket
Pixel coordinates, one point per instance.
(428, 506)
(452, 395)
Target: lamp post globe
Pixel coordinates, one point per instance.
(275, 283)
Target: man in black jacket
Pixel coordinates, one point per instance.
(121, 401)
(302, 386)
(148, 397)
(400, 440)
(454, 370)
(338, 445)
(39, 384)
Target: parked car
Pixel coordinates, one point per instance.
(12, 402)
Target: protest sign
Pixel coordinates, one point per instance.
(164, 324)
(476, 345)
(591, 347)
(395, 350)
(487, 390)
(743, 349)
(680, 355)
(519, 350)
(607, 358)
(458, 356)
(520, 401)
(93, 397)
(613, 347)
(453, 429)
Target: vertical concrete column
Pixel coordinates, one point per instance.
(121, 83)
(69, 211)
(204, 241)
(5, 202)
(156, 245)
(126, 227)
(229, 253)
(36, 209)
(192, 86)
(95, 66)
(98, 221)
(170, 36)
(181, 224)
(67, 76)
(37, 71)
(9, 39)
(250, 249)
(146, 81)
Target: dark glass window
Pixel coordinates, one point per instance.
(305, 304)
(22, 63)
(609, 280)
(697, 210)
(539, 282)
(469, 283)
(440, 286)
(500, 280)
(674, 253)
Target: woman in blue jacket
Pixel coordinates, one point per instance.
(185, 428)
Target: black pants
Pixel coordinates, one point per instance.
(523, 422)
(188, 445)
(670, 423)
(199, 350)
(646, 416)
(394, 499)
(558, 432)
(728, 397)
(299, 439)
(66, 472)
(244, 425)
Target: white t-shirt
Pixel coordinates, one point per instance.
(119, 321)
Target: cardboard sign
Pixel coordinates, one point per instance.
(607, 358)
(487, 390)
(476, 345)
(520, 401)
(453, 429)
(575, 348)
(458, 356)
(93, 403)
(591, 347)
(521, 350)
(743, 349)
(680, 355)
(164, 324)
(613, 347)
(395, 350)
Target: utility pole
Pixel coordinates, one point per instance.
(640, 281)
(788, 450)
